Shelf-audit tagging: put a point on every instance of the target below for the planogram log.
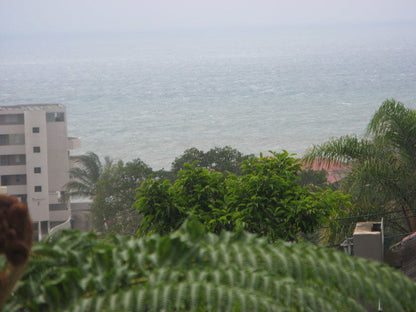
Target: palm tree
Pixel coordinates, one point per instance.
(85, 175)
(382, 165)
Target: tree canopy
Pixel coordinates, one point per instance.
(112, 185)
(190, 270)
(265, 199)
(218, 158)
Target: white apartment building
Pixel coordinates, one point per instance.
(34, 160)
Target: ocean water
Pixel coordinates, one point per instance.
(151, 96)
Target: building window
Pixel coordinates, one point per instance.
(55, 117)
(21, 197)
(12, 119)
(12, 139)
(4, 160)
(12, 160)
(38, 170)
(4, 139)
(44, 227)
(36, 149)
(35, 130)
(17, 139)
(38, 188)
(17, 179)
(56, 207)
(19, 159)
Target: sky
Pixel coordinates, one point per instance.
(63, 16)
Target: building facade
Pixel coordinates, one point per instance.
(34, 160)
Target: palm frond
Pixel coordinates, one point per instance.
(382, 165)
(190, 270)
(344, 150)
(396, 124)
(86, 174)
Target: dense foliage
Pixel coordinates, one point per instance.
(220, 159)
(111, 209)
(112, 185)
(265, 199)
(382, 175)
(190, 270)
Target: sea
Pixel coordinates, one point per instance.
(151, 95)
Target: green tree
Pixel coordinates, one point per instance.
(85, 175)
(165, 206)
(266, 199)
(218, 158)
(189, 156)
(382, 164)
(156, 206)
(111, 209)
(190, 270)
(201, 193)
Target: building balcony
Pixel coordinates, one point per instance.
(12, 149)
(11, 129)
(16, 189)
(9, 170)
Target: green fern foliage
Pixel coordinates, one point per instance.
(190, 270)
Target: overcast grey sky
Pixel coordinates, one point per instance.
(45, 16)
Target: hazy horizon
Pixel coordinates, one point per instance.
(149, 79)
(30, 17)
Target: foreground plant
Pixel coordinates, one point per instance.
(190, 270)
(15, 242)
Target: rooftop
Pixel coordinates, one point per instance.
(31, 107)
(367, 228)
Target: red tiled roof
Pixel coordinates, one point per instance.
(335, 171)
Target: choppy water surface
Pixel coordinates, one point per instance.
(152, 96)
